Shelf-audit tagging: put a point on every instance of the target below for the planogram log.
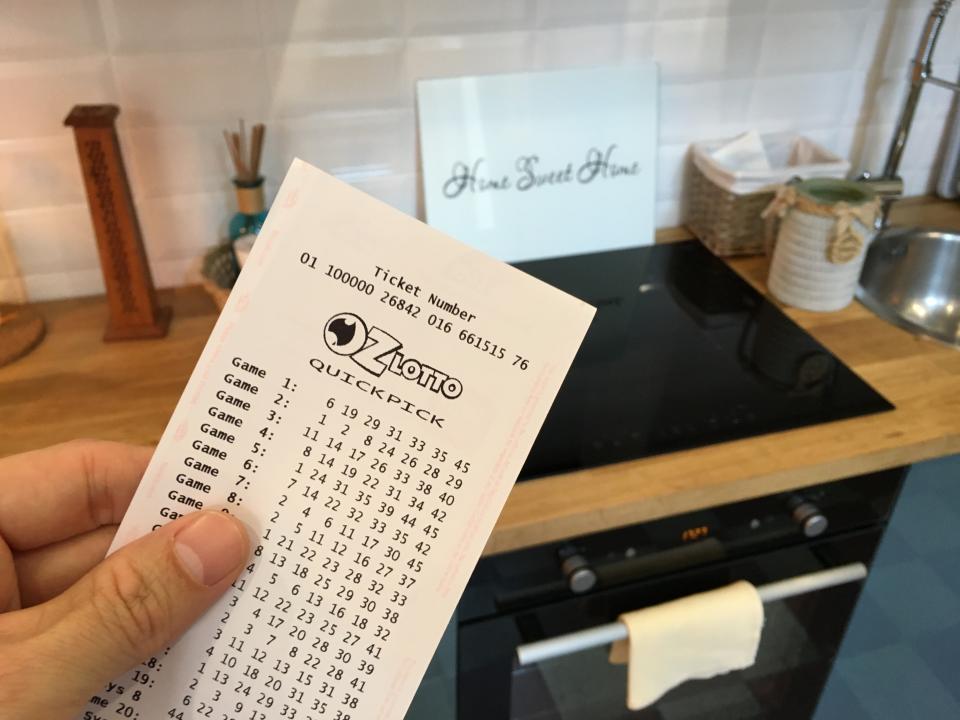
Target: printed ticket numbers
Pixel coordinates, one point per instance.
(364, 403)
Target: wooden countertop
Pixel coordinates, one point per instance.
(74, 385)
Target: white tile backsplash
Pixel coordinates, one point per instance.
(804, 42)
(75, 282)
(456, 16)
(41, 30)
(50, 240)
(707, 48)
(668, 213)
(173, 273)
(298, 20)
(553, 13)
(845, 145)
(585, 46)
(926, 141)
(876, 28)
(165, 159)
(453, 55)
(40, 172)
(863, 100)
(876, 140)
(354, 146)
(918, 181)
(792, 101)
(304, 78)
(704, 110)
(642, 10)
(398, 191)
(136, 26)
(334, 80)
(671, 9)
(36, 95)
(670, 171)
(638, 38)
(786, 7)
(190, 87)
(935, 102)
(183, 226)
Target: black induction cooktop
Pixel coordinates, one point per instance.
(682, 352)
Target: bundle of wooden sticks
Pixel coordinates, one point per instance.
(247, 166)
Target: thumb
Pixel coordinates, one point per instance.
(141, 598)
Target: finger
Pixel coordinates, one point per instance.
(65, 490)
(141, 598)
(46, 572)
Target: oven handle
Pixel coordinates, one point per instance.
(605, 634)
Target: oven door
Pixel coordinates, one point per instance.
(800, 639)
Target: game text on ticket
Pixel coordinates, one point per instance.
(364, 403)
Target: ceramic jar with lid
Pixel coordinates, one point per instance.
(826, 226)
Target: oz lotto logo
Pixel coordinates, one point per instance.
(377, 351)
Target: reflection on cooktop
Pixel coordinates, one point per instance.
(682, 352)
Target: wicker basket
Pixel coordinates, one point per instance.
(723, 203)
(727, 223)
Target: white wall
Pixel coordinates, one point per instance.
(334, 79)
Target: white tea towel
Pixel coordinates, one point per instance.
(744, 152)
(696, 637)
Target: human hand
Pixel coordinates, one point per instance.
(70, 620)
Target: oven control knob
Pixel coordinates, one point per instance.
(810, 519)
(580, 576)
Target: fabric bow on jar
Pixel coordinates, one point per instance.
(848, 237)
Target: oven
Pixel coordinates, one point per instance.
(525, 623)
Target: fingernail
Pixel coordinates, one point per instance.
(210, 547)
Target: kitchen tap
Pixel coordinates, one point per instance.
(888, 185)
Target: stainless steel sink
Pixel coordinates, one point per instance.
(911, 277)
